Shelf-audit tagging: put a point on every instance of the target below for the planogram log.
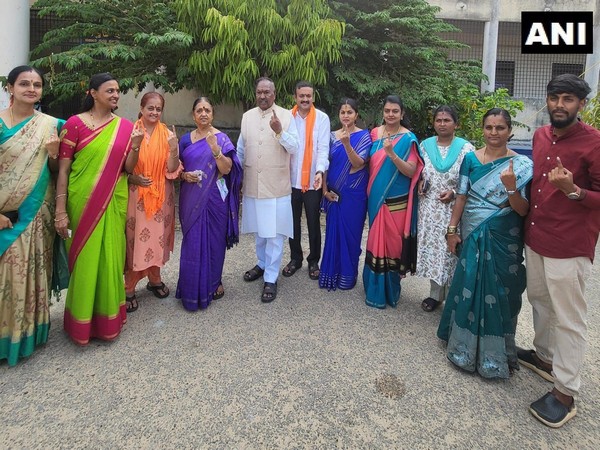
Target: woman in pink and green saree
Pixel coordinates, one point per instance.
(91, 209)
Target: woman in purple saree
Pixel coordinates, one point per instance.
(208, 208)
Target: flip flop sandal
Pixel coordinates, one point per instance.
(291, 268)
(269, 292)
(254, 274)
(219, 294)
(156, 290)
(131, 304)
(430, 304)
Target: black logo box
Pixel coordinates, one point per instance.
(550, 19)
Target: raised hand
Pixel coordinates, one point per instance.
(275, 123)
(136, 136)
(211, 140)
(389, 148)
(52, 144)
(172, 139)
(345, 136)
(508, 178)
(561, 178)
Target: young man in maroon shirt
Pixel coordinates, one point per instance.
(561, 232)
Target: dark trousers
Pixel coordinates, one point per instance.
(312, 207)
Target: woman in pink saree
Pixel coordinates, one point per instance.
(394, 169)
(91, 208)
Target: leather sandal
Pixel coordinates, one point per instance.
(131, 304)
(254, 274)
(291, 268)
(159, 291)
(313, 271)
(269, 292)
(219, 293)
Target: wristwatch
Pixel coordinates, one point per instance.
(575, 194)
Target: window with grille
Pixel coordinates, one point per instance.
(560, 68)
(505, 75)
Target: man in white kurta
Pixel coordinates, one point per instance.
(267, 139)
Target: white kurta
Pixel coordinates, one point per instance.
(267, 217)
(434, 261)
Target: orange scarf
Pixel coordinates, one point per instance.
(152, 164)
(308, 146)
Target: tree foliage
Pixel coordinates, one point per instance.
(472, 106)
(236, 41)
(393, 47)
(138, 41)
(591, 113)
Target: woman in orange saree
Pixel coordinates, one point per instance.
(91, 208)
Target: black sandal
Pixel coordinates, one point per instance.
(131, 304)
(291, 268)
(313, 271)
(160, 290)
(430, 304)
(219, 293)
(269, 292)
(254, 274)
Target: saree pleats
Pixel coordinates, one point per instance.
(391, 244)
(346, 217)
(97, 208)
(484, 300)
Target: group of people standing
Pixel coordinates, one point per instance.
(458, 216)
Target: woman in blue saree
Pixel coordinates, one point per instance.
(208, 208)
(345, 200)
(394, 170)
(28, 149)
(480, 314)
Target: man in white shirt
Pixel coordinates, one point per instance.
(267, 139)
(307, 168)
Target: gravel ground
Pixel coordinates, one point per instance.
(314, 369)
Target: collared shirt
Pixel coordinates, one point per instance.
(320, 156)
(558, 227)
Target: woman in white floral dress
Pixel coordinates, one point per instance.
(442, 155)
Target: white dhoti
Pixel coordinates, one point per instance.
(271, 220)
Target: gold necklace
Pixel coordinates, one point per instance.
(12, 119)
(92, 124)
(484, 154)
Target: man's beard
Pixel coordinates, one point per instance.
(563, 123)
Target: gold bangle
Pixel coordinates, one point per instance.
(59, 195)
(218, 155)
(66, 216)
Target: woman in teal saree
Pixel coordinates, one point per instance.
(28, 145)
(480, 314)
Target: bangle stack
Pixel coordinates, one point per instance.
(218, 155)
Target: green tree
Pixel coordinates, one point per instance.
(136, 40)
(591, 113)
(393, 47)
(472, 105)
(236, 41)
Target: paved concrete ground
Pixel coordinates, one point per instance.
(314, 369)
